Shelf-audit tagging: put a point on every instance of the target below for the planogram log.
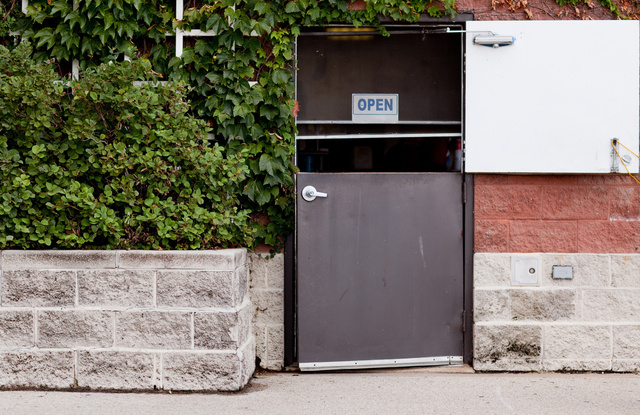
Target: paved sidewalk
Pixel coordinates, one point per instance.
(397, 391)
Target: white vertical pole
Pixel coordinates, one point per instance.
(179, 34)
(25, 3)
(75, 69)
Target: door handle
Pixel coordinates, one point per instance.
(309, 193)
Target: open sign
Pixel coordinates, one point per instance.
(374, 108)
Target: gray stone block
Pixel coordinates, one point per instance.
(247, 355)
(115, 370)
(199, 289)
(491, 270)
(625, 270)
(53, 259)
(611, 305)
(16, 328)
(257, 270)
(275, 347)
(38, 288)
(75, 328)
(241, 284)
(267, 272)
(577, 342)
(222, 330)
(568, 365)
(507, 347)
(115, 288)
(269, 306)
(491, 305)
(153, 329)
(626, 342)
(626, 365)
(260, 334)
(219, 260)
(202, 371)
(543, 305)
(36, 369)
(592, 270)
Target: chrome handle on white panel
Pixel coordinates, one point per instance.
(309, 193)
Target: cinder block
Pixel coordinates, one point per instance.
(216, 331)
(543, 236)
(491, 270)
(575, 202)
(35, 369)
(275, 347)
(625, 202)
(219, 260)
(202, 371)
(16, 328)
(626, 365)
(247, 355)
(269, 306)
(240, 285)
(199, 289)
(491, 235)
(223, 330)
(565, 365)
(75, 328)
(507, 347)
(589, 270)
(577, 342)
(257, 270)
(115, 288)
(507, 202)
(53, 259)
(626, 342)
(543, 305)
(38, 288)
(260, 334)
(267, 272)
(491, 305)
(115, 370)
(625, 270)
(151, 329)
(614, 305)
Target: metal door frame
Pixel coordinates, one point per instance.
(290, 288)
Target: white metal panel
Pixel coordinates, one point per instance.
(553, 101)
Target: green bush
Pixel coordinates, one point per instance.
(103, 163)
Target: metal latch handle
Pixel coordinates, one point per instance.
(309, 193)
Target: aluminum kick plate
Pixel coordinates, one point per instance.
(384, 363)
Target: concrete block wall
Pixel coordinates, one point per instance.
(267, 297)
(590, 222)
(589, 323)
(125, 320)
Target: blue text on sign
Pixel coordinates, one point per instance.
(379, 104)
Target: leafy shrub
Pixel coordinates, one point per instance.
(104, 163)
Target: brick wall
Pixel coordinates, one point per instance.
(577, 213)
(125, 320)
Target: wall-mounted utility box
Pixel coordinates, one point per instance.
(525, 271)
(553, 100)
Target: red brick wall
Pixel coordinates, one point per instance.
(542, 213)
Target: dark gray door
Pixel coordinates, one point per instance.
(380, 269)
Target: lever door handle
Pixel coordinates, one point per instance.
(309, 193)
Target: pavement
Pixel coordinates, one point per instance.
(391, 391)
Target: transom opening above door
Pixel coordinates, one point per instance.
(381, 104)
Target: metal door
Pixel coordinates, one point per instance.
(380, 270)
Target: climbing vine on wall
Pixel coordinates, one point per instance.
(241, 79)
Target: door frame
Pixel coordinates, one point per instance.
(290, 277)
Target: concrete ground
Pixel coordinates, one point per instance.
(394, 391)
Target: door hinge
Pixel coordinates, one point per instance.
(464, 192)
(464, 321)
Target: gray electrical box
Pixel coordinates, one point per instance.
(562, 272)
